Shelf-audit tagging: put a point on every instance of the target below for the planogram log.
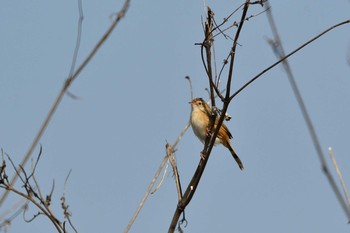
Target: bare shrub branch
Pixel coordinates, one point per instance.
(288, 55)
(210, 140)
(340, 176)
(30, 195)
(64, 89)
(169, 153)
(226, 98)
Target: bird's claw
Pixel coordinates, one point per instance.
(208, 132)
(202, 155)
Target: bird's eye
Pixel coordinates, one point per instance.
(199, 102)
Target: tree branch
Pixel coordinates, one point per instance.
(66, 85)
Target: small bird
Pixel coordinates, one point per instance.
(200, 119)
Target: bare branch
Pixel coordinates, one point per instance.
(77, 45)
(162, 179)
(288, 55)
(144, 198)
(171, 156)
(65, 87)
(32, 218)
(210, 140)
(30, 198)
(16, 209)
(33, 174)
(233, 54)
(65, 206)
(165, 159)
(340, 176)
(278, 49)
(191, 89)
(206, 46)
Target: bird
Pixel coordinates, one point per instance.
(200, 120)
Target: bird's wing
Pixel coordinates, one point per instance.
(224, 127)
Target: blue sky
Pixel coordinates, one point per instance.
(133, 98)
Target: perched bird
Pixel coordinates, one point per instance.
(200, 119)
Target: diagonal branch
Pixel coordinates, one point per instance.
(210, 140)
(279, 52)
(65, 87)
(168, 157)
(233, 51)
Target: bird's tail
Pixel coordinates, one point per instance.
(235, 156)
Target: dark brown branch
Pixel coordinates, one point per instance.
(206, 45)
(210, 140)
(233, 51)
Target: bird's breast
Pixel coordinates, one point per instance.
(199, 123)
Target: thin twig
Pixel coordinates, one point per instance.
(172, 160)
(235, 24)
(13, 216)
(77, 44)
(33, 174)
(66, 85)
(191, 89)
(53, 219)
(64, 205)
(165, 159)
(21, 203)
(233, 55)
(287, 56)
(144, 198)
(162, 179)
(72, 226)
(29, 220)
(31, 195)
(206, 47)
(37, 186)
(36, 162)
(340, 176)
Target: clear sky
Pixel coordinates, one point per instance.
(133, 98)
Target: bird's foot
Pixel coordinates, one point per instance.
(203, 155)
(208, 132)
